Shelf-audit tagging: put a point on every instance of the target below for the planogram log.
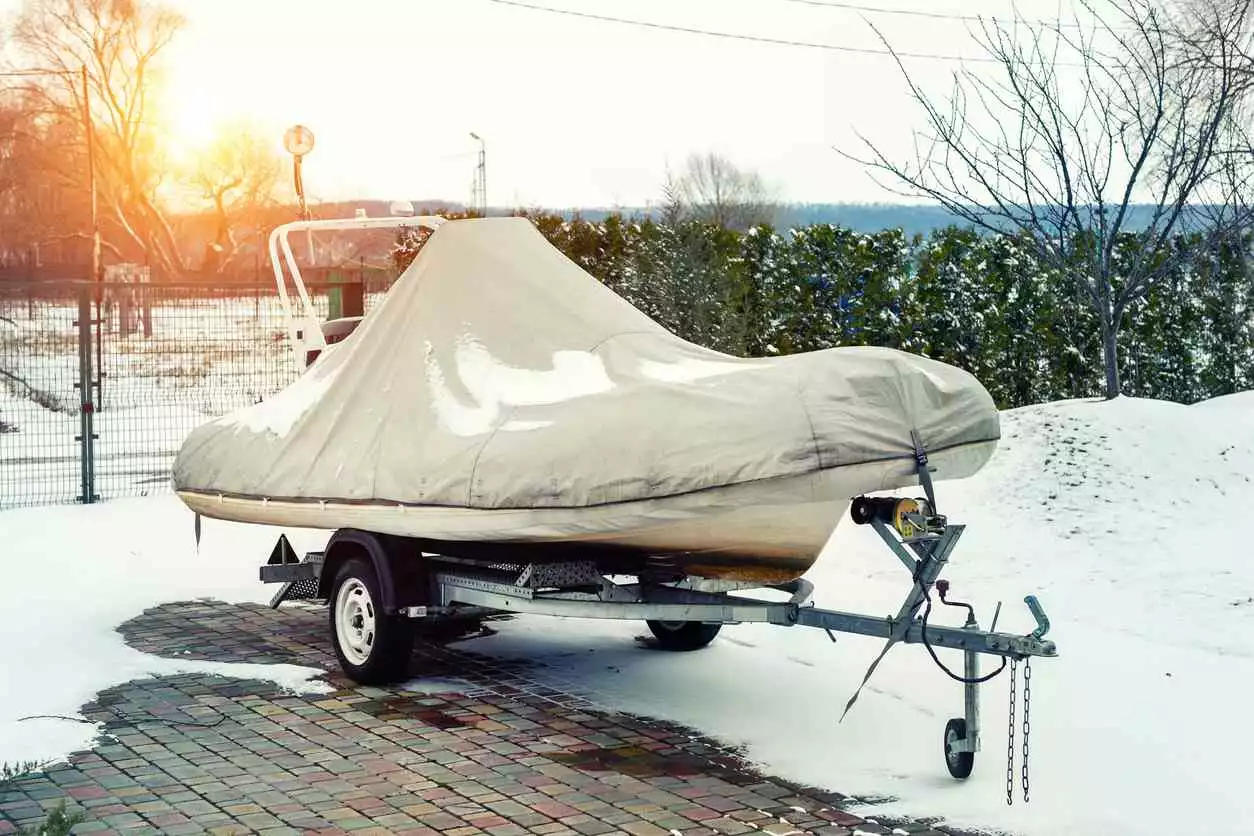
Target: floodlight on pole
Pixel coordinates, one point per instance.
(299, 141)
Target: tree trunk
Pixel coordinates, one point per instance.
(1110, 353)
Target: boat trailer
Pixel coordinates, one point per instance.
(358, 571)
(376, 590)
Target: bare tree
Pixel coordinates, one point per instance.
(238, 175)
(119, 42)
(712, 189)
(19, 144)
(43, 198)
(1115, 128)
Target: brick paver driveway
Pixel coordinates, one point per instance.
(502, 750)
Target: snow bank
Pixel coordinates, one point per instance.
(71, 575)
(1125, 519)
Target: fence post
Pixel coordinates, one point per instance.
(87, 408)
(354, 300)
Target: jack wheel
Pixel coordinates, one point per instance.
(959, 764)
(683, 635)
(373, 648)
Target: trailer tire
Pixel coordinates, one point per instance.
(373, 648)
(683, 635)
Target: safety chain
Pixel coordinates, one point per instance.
(1027, 699)
(1027, 729)
(1010, 737)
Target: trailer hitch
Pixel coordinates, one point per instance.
(1038, 612)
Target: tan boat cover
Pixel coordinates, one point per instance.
(498, 374)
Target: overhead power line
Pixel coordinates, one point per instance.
(692, 30)
(878, 10)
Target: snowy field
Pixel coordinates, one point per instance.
(1123, 517)
(204, 357)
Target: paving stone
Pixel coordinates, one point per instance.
(644, 828)
(592, 827)
(509, 748)
(779, 828)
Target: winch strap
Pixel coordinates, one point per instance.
(925, 475)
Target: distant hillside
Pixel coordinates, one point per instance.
(913, 219)
(860, 217)
(863, 217)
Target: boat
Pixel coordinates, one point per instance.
(503, 405)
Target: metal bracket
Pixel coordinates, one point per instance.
(299, 577)
(566, 574)
(907, 560)
(288, 572)
(282, 553)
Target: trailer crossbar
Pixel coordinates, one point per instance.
(582, 605)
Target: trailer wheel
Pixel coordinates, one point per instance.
(960, 764)
(683, 635)
(373, 647)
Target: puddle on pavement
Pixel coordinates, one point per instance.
(629, 760)
(410, 708)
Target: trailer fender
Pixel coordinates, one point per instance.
(397, 562)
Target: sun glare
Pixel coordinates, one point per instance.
(192, 126)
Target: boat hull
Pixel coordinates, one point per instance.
(765, 531)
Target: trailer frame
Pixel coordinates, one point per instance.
(684, 614)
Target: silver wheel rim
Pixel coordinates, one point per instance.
(355, 621)
(672, 626)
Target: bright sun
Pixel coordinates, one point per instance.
(193, 120)
(192, 130)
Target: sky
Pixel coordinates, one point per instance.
(572, 111)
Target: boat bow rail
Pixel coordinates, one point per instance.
(306, 331)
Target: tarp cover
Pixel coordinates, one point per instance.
(499, 374)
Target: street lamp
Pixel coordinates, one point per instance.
(482, 174)
(299, 141)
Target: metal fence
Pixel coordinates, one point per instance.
(100, 383)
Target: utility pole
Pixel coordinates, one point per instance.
(96, 274)
(481, 177)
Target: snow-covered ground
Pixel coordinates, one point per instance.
(71, 575)
(1125, 518)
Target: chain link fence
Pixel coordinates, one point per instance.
(157, 360)
(40, 456)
